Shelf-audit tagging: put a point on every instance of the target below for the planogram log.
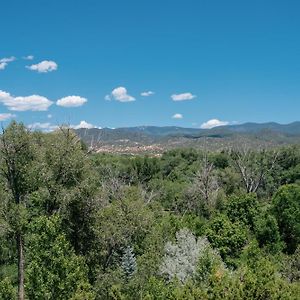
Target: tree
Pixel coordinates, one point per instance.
(53, 270)
(228, 237)
(181, 259)
(121, 223)
(16, 159)
(67, 185)
(253, 166)
(267, 233)
(204, 188)
(287, 212)
(128, 262)
(243, 208)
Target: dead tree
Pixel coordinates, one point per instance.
(253, 166)
(204, 186)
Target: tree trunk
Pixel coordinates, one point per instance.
(21, 293)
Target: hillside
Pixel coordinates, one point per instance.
(154, 139)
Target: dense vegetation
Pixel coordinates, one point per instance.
(186, 225)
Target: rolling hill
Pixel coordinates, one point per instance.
(157, 139)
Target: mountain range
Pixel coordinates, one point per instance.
(254, 134)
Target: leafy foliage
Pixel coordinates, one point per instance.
(53, 271)
(287, 213)
(186, 225)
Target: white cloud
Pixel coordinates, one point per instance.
(107, 97)
(83, 124)
(120, 94)
(7, 59)
(183, 97)
(71, 101)
(177, 116)
(213, 123)
(28, 57)
(44, 66)
(4, 62)
(147, 94)
(6, 116)
(33, 102)
(42, 126)
(3, 65)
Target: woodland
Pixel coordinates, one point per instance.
(189, 224)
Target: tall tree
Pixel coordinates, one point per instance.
(16, 158)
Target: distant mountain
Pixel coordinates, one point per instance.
(292, 128)
(172, 136)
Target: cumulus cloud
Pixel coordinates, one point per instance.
(20, 103)
(28, 57)
(213, 123)
(147, 94)
(121, 94)
(44, 66)
(83, 124)
(71, 101)
(183, 97)
(42, 126)
(4, 62)
(177, 116)
(6, 116)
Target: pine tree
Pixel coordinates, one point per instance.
(128, 262)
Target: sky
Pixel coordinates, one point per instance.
(116, 63)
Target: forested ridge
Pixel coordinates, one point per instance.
(190, 224)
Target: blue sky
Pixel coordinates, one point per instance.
(233, 61)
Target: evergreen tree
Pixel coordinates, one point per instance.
(128, 262)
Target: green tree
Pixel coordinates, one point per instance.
(228, 237)
(7, 291)
(243, 208)
(267, 233)
(287, 212)
(53, 269)
(16, 170)
(67, 184)
(121, 223)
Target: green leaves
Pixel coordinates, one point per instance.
(228, 237)
(243, 209)
(53, 270)
(287, 212)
